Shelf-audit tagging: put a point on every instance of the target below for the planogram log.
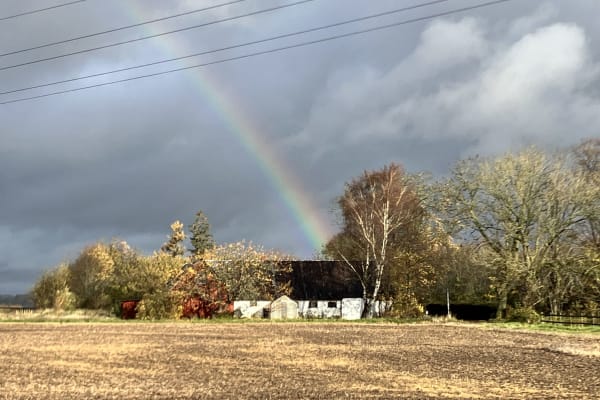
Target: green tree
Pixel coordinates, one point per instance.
(174, 246)
(200, 235)
(128, 269)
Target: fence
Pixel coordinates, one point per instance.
(571, 319)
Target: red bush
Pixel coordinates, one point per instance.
(128, 309)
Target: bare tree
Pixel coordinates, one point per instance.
(518, 209)
(248, 271)
(587, 159)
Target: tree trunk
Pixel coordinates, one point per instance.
(502, 302)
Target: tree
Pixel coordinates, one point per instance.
(249, 272)
(174, 246)
(89, 274)
(378, 211)
(587, 161)
(200, 235)
(52, 290)
(127, 276)
(154, 281)
(519, 209)
(197, 285)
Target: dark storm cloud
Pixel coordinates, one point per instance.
(126, 160)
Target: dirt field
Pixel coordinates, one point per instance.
(292, 361)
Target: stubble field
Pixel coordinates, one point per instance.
(292, 361)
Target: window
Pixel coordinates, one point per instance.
(332, 304)
(312, 304)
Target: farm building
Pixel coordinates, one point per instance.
(251, 308)
(346, 308)
(286, 308)
(324, 289)
(328, 289)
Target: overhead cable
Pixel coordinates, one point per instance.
(41, 46)
(274, 50)
(40, 10)
(231, 47)
(157, 34)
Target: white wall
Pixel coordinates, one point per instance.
(242, 305)
(321, 310)
(349, 308)
(352, 308)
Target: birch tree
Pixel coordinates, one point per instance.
(376, 209)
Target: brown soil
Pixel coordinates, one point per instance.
(292, 361)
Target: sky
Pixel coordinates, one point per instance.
(264, 144)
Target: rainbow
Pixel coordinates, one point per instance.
(309, 218)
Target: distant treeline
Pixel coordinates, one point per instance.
(23, 300)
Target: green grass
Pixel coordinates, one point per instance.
(548, 327)
(93, 316)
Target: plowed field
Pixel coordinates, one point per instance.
(292, 361)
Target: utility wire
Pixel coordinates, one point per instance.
(158, 34)
(286, 35)
(278, 49)
(40, 10)
(122, 28)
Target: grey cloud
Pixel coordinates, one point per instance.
(126, 160)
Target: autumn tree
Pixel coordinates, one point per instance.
(89, 274)
(52, 290)
(378, 210)
(200, 235)
(174, 246)
(154, 281)
(196, 280)
(518, 209)
(249, 272)
(127, 275)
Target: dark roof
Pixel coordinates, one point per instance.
(323, 280)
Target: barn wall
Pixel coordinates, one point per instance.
(347, 308)
(239, 306)
(322, 310)
(352, 308)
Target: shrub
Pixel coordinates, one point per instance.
(406, 306)
(52, 289)
(159, 305)
(65, 300)
(523, 314)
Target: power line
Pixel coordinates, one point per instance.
(122, 28)
(278, 49)
(40, 10)
(157, 34)
(286, 35)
